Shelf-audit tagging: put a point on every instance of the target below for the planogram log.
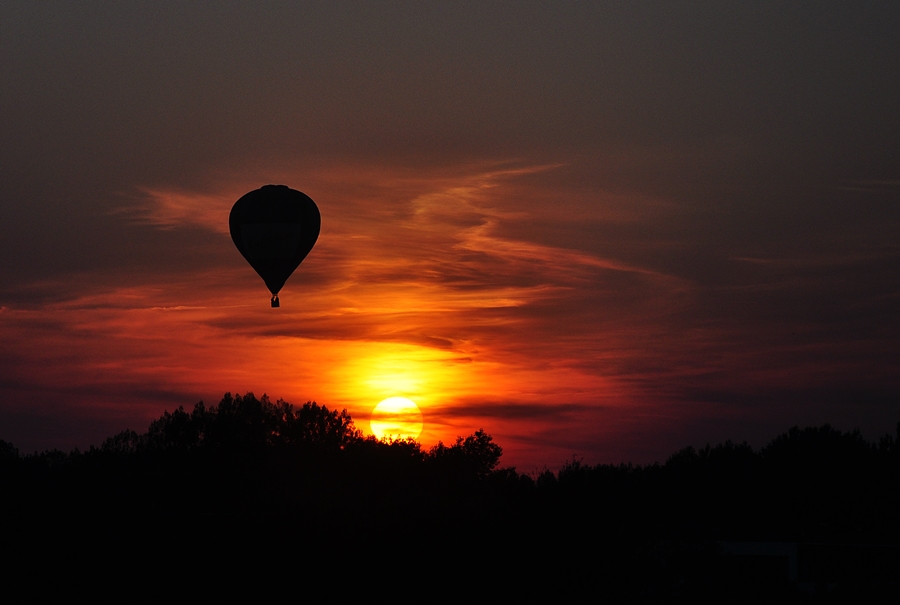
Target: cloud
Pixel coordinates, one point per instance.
(509, 411)
(172, 209)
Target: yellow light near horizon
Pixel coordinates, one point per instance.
(367, 372)
(397, 418)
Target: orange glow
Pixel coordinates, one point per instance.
(415, 292)
(134, 338)
(396, 418)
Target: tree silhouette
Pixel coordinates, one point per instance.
(251, 471)
(9, 454)
(249, 424)
(476, 455)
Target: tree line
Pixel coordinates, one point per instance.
(272, 471)
(246, 451)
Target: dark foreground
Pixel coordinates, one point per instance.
(250, 492)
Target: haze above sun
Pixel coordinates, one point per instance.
(396, 418)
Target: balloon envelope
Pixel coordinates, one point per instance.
(274, 227)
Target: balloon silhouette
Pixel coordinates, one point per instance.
(274, 227)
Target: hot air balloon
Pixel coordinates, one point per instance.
(274, 227)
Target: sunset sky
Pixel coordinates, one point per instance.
(594, 229)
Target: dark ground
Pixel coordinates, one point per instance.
(254, 493)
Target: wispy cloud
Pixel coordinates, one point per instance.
(168, 209)
(443, 286)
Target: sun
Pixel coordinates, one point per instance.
(396, 418)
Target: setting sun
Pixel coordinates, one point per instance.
(396, 417)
